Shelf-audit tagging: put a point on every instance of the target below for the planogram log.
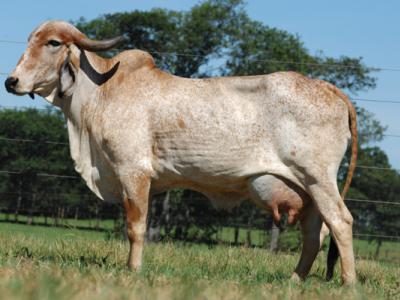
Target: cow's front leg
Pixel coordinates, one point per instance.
(136, 197)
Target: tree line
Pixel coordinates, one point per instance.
(214, 38)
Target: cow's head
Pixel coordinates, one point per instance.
(46, 67)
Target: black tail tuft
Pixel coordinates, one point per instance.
(333, 255)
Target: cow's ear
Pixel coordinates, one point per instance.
(67, 79)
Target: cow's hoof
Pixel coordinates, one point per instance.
(133, 268)
(349, 281)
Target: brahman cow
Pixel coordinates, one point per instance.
(134, 130)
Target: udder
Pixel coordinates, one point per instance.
(278, 196)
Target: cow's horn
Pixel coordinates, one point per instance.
(95, 46)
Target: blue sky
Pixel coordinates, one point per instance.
(368, 29)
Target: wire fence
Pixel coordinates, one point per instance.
(18, 172)
(110, 221)
(395, 203)
(108, 217)
(310, 64)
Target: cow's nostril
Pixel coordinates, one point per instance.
(11, 83)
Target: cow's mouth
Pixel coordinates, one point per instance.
(11, 87)
(12, 91)
(31, 94)
(43, 89)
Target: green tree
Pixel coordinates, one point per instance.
(259, 49)
(219, 32)
(34, 143)
(181, 42)
(377, 183)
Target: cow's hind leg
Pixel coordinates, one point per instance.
(310, 223)
(136, 206)
(339, 220)
(277, 194)
(323, 234)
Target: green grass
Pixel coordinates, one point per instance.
(57, 263)
(389, 251)
(49, 234)
(83, 223)
(290, 239)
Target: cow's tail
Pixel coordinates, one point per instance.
(333, 253)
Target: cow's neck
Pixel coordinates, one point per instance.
(75, 109)
(85, 90)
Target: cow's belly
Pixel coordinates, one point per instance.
(219, 168)
(201, 159)
(221, 196)
(227, 187)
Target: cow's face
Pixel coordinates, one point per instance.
(46, 67)
(40, 67)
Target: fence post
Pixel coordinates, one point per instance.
(378, 248)
(62, 215)
(249, 228)
(153, 232)
(165, 216)
(45, 215)
(275, 231)
(76, 216)
(236, 235)
(19, 200)
(97, 225)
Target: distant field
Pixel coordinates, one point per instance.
(55, 263)
(389, 250)
(88, 223)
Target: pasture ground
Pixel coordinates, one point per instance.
(289, 239)
(55, 263)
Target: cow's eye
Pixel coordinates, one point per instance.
(54, 43)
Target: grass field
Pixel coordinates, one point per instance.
(55, 263)
(88, 223)
(289, 239)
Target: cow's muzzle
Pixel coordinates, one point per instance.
(11, 83)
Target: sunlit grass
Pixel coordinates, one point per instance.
(36, 265)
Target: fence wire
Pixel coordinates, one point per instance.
(310, 64)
